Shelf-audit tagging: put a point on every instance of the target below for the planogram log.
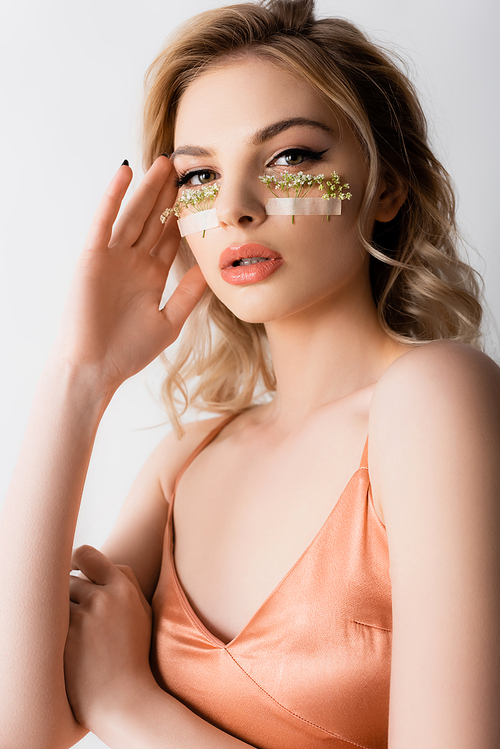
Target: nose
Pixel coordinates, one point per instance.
(240, 203)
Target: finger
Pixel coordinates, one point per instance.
(184, 299)
(153, 227)
(168, 242)
(76, 573)
(107, 210)
(95, 565)
(125, 570)
(79, 588)
(129, 226)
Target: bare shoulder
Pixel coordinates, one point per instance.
(437, 402)
(436, 367)
(171, 453)
(435, 472)
(443, 380)
(137, 537)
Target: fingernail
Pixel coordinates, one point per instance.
(166, 154)
(125, 163)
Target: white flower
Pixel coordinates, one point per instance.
(302, 183)
(196, 199)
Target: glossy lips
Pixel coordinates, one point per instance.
(246, 274)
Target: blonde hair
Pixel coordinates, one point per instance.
(422, 289)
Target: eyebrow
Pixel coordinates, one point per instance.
(261, 136)
(190, 151)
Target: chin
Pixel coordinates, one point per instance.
(254, 316)
(251, 313)
(266, 302)
(256, 312)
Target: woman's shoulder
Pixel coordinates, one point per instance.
(435, 413)
(172, 452)
(435, 473)
(434, 390)
(449, 369)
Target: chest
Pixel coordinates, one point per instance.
(312, 658)
(245, 512)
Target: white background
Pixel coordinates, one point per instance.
(70, 95)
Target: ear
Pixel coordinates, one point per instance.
(392, 195)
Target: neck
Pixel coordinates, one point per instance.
(326, 353)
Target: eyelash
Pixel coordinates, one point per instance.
(184, 177)
(311, 156)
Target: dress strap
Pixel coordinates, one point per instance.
(364, 457)
(210, 436)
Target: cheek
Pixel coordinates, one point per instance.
(206, 253)
(317, 237)
(324, 254)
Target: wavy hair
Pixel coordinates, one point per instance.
(423, 291)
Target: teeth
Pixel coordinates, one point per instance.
(250, 260)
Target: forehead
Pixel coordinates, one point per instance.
(241, 96)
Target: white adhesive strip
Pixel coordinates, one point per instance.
(199, 221)
(303, 207)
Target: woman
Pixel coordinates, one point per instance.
(315, 591)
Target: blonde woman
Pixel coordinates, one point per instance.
(310, 586)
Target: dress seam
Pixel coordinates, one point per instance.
(295, 715)
(374, 626)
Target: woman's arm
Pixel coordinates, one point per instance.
(107, 673)
(157, 721)
(36, 536)
(434, 464)
(108, 677)
(112, 328)
(137, 537)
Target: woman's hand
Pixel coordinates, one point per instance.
(112, 326)
(106, 659)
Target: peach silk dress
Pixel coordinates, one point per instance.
(311, 669)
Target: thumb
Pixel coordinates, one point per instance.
(184, 299)
(128, 572)
(95, 565)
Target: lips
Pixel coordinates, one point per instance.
(231, 255)
(238, 275)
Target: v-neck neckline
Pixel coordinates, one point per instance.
(216, 641)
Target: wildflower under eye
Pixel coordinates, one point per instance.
(197, 199)
(334, 189)
(302, 183)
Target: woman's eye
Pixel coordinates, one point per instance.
(291, 158)
(297, 157)
(201, 178)
(194, 179)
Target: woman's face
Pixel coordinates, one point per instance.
(250, 118)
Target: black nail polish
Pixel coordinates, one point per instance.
(125, 163)
(166, 154)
